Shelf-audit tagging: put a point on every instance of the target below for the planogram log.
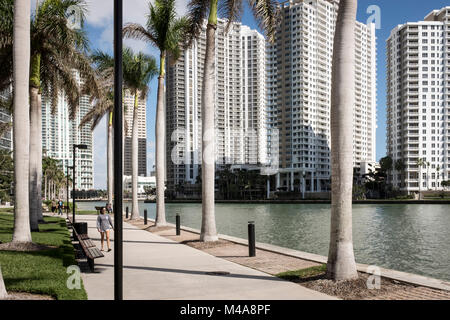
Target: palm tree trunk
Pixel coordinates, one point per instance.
(3, 293)
(208, 229)
(341, 261)
(110, 158)
(21, 58)
(35, 145)
(45, 187)
(34, 154)
(40, 216)
(134, 160)
(160, 135)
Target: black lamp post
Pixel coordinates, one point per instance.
(67, 185)
(81, 147)
(118, 151)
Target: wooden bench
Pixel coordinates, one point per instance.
(89, 248)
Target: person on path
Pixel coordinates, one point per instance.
(104, 225)
(53, 206)
(60, 207)
(109, 208)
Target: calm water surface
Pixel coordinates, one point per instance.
(410, 238)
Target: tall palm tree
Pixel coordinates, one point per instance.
(341, 260)
(400, 167)
(138, 71)
(104, 105)
(265, 11)
(165, 32)
(21, 78)
(56, 51)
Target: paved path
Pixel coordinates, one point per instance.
(159, 268)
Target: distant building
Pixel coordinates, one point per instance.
(418, 101)
(142, 183)
(240, 103)
(361, 172)
(142, 134)
(59, 134)
(299, 68)
(6, 140)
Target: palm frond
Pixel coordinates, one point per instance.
(7, 103)
(177, 34)
(266, 12)
(6, 22)
(4, 128)
(138, 32)
(197, 10)
(231, 10)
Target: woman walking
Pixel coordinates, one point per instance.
(104, 224)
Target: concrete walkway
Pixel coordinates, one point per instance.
(159, 268)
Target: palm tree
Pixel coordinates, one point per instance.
(103, 105)
(3, 293)
(138, 70)
(400, 167)
(420, 163)
(265, 11)
(341, 260)
(56, 51)
(428, 174)
(21, 76)
(165, 32)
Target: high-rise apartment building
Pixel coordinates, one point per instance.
(418, 101)
(6, 139)
(240, 100)
(59, 134)
(142, 134)
(299, 67)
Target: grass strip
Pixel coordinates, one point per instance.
(40, 272)
(303, 273)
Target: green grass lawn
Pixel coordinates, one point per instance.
(303, 273)
(86, 212)
(40, 272)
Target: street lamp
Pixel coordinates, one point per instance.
(118, 151)
(67, 185)
(81, 147)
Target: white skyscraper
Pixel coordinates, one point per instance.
(240, 114)
(299, 67)
(418, 101)
(59, 134)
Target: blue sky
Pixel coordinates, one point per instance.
(99, 27)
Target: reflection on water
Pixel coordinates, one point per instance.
(410, 238)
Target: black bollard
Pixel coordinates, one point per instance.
(145, 216)
(251, 239)
(178, 224)
(127, 213)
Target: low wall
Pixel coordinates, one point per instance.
(274, 201)
(387, 273)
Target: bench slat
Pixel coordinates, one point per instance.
(89, 243)
(95, 253)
